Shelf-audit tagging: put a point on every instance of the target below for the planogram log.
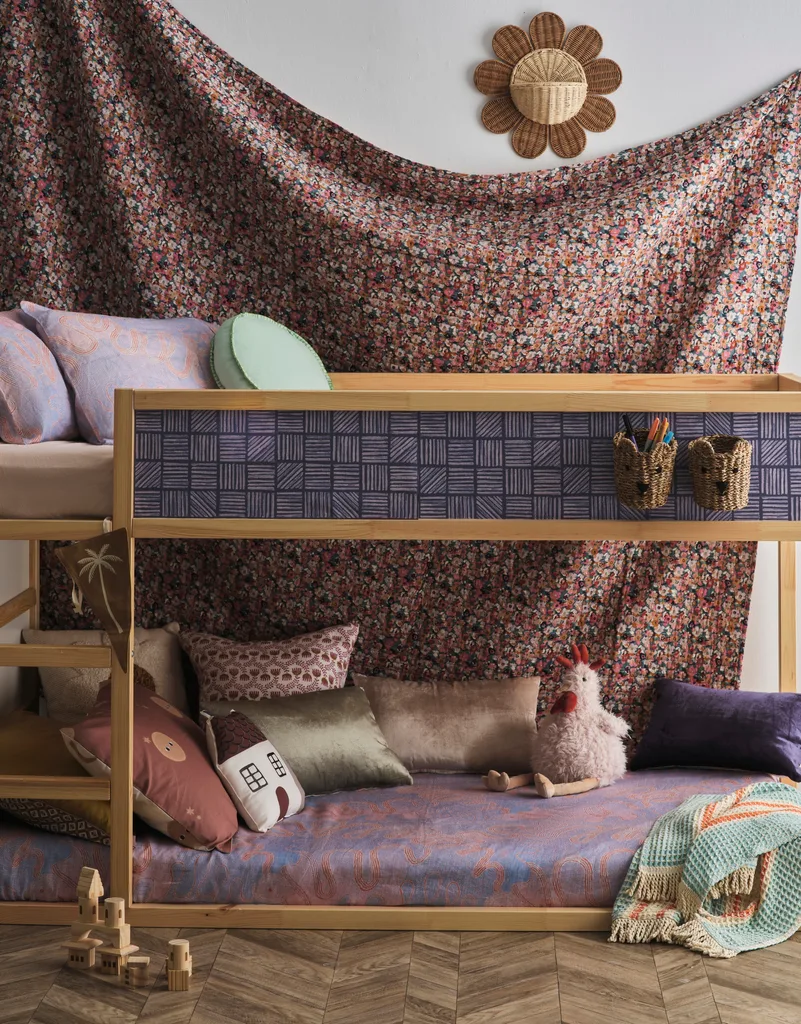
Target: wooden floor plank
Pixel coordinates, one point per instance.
(607, 983)
(761, 987)
(433, 979)
(686, 991)
(165, 1007)
(278, 976)
(370, 978)
(507, 978)
(302, 977)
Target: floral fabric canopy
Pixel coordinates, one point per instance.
(144, 172)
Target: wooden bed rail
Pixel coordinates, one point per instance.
(54, 787)
(38, 655)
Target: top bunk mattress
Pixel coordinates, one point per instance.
(445, 841)
(56, 480)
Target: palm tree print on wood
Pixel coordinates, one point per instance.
(100, 567)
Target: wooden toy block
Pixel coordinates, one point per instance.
(112, 960)
(114, 912)
(81, 953)
(178, 958)
(177, 981)
(137, 971)
(117, 938)
(89, 884)
(88, 911)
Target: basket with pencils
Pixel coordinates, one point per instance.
(721, 471)
(643, 478)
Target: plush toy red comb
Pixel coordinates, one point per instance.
(581, 656)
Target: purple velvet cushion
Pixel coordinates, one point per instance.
(34, 401)
(693, 726)
(99, 353)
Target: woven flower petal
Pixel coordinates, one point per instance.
(492, 78)
(568, 139)
(603, 75)
(530, 138)
(511, 43)
(500, 115)
(597, 115)
(547, 31)
(583, 42)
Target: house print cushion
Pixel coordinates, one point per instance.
(234, 670)
(176, 789)
(261, 783)
(98, 353)
(34, 401)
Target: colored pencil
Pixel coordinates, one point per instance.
(651, 434)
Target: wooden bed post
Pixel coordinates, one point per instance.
(122, 679)
(33, 582)
(787, 617)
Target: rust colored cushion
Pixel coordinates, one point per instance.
(30, 745)
(236, 670)
(176, 789)
(469, 726)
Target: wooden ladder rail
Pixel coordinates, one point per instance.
(122, 704)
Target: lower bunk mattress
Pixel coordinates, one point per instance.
(446, 841)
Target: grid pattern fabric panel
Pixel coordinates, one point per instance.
(430, 465)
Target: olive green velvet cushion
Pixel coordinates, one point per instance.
(330, 738)
(251, 351)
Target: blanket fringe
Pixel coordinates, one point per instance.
(656, 885)
(738, 883)
(643, 929)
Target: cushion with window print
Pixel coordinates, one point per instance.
(261, 783)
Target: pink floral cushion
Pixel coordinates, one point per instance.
(233, 670)
(98, 353)
(34, 401)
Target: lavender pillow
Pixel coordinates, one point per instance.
(99, 353)
(693, 726)
(34, 401)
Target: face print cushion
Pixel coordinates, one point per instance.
(261, 783)
(176, 789)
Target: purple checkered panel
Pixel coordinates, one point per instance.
(430, 465)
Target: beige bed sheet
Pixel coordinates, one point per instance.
(55, 480)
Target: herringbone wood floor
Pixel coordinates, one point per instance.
(292, 977)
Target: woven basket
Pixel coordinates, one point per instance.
(721, 471)
(643, 479)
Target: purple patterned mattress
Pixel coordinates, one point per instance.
(445, 841)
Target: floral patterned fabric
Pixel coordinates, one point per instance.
(204, 191)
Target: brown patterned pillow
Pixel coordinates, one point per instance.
(176, 789)
(235, 670)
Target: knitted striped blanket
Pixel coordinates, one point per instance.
(720, 875)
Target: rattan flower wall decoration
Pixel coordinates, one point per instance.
(548, 87)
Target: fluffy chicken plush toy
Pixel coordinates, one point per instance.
(579, 746)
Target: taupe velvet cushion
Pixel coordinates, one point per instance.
(468, 726)
(330, 738)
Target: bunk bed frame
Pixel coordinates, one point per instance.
(562, 393)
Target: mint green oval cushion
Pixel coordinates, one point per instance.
(252, 351)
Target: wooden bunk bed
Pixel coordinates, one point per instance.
(556, 394)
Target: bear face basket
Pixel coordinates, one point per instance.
(721, 471)
(643, 479)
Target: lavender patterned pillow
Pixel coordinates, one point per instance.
(99, 353)
(34, 401)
